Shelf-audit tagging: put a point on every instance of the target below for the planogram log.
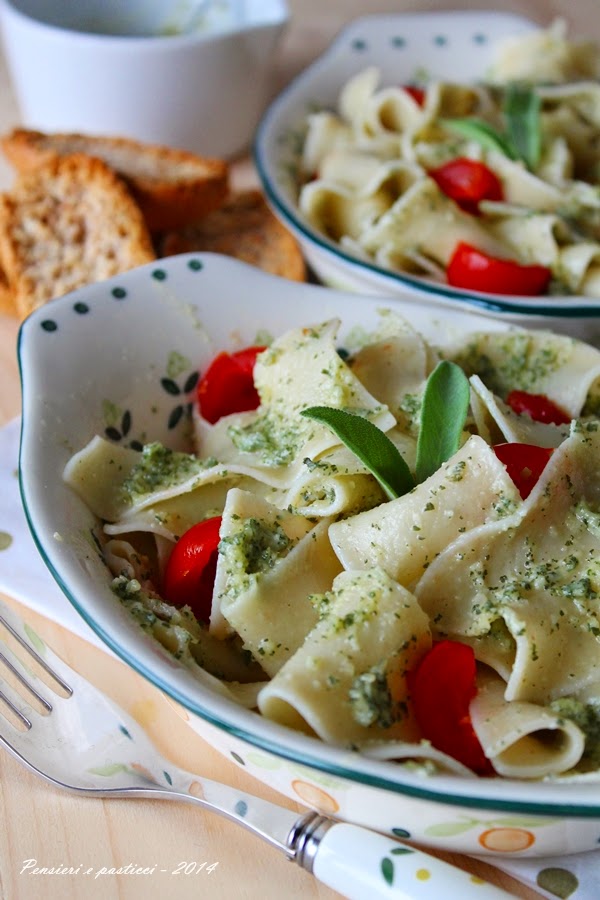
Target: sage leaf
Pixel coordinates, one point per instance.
(374, 448)
(485, 134)
(443, 414)
(521, 110)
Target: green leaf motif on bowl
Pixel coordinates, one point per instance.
(387, 870)
(176, 364)
(262, 760)
(450, 829)
(118, 424)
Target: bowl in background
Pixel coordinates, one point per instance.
(110, 68)
(406, 48)
(99, 361)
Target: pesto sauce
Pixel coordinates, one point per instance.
(518, 363)
(410, 407)
(348, 622)
(587, 717)
(591, 406)
(129, 591)
(546, 576)
(569, 578)
(499, 632)
(160, 467)
(253, 550)
(321, 603)
(504, 506)
(270, 437)
(370, 698)
(149, 609)
(186, 638)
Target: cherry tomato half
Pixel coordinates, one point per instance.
(467, 182)
(442, 687)
(539, 407)
(524, 463)
(472, 269)
(417, 93)
(227, 386)
(190, 571)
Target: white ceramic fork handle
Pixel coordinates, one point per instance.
(363, 865)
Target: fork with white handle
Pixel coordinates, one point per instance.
(65, 730)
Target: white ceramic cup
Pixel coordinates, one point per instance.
(105, 67)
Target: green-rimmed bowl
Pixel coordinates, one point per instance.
(457, 46)
(121, 358)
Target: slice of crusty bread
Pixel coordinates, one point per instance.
(172, 187)
(244, 227)
(67, 223)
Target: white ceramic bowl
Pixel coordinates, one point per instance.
(103, 351)
(106, 67)
(457, 46)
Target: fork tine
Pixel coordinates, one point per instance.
(4, 660)
(23, 692)
(12, 708)
(35, 655)
(16, 706)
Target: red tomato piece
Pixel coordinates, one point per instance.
(538, 407)
(472, 269)
(417, 93)
(524, 463)
(227, 386)
(190, 570)
(442, 687)
(467, 182)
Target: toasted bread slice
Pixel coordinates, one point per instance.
(67, 223)
(246, 228)
(172, 187)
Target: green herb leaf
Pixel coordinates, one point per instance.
(482, 132)
(443, 414)
(370, 445)
(521, 110)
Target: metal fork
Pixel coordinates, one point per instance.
(71, 734)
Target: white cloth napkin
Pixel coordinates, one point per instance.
(23, 575)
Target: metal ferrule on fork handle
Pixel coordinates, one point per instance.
(305, 838)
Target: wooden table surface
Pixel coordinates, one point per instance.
(56, 829)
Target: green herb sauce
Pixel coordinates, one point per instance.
(160, 468)
(371, 699)
(253, 550)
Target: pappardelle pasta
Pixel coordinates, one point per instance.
(489, 187)
(454, 626)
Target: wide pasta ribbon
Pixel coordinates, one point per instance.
(270, 561)
(405, 535)
(537, 570)
(347, 681)
(522, 740)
